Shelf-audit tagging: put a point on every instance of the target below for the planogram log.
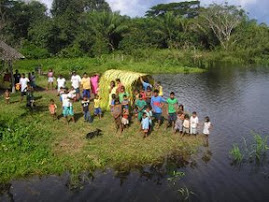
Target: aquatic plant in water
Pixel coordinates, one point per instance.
(253, 152)
(236, 154)
(185, 193)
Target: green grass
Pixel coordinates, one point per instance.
(32, 143)
(153, 64)
(236, 154)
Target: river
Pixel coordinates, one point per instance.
(236, 100)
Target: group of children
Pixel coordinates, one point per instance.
(148, 108)
(147, 104)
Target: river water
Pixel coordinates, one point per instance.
(235, 98)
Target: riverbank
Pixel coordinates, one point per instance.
(151, 61)
(33, 144)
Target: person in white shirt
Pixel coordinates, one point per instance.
(60, 83)
(207, 126)
(23, 83)
(76, 80)
(67, 105)
(194, 122)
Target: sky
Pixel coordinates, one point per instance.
(257, 9)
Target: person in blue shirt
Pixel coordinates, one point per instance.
(157, 104)
(145, 84)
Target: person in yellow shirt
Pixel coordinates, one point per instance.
(97, 108)
(86, 85)
(159, 88)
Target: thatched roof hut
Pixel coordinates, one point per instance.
(131, 81)
(8, 53)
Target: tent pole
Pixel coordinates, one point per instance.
(12, 77)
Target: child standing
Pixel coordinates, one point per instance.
(67, 106)
(30, 95)
(179, 122)
(117, 112)
(194, 121)
(97, 108)
(52, 109)
(145, 125)
(112, 104)
(207, 126)
(125, 102)
(172, 108)
(85, 108)
(149, 115)
(140, 104)
(148, 95)
(186, 124)
(125, 117)
(7, 96)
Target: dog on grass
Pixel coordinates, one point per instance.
(93, 134)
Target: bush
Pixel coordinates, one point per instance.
(31, 51)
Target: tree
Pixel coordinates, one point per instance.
(189, 9)
(106, 27)
(222, 20)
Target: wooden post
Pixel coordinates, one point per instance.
(12, 77)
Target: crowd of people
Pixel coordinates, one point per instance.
(146, 104)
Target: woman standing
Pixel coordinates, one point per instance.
(94, 83)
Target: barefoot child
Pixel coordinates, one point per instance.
(125, 117)
(97, 108)
(67, 106)
(145, 125)
(117, 112)
(85, 108)
(194, 121)
(149, 115)
(140, 104)
(112, 103)
(125, 102)
(207, 126)
(7, 96)
(186, 124)
(179, 122)
(52, 109)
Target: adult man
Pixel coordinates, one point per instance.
(23, 82)
(86, 85)
(75, 80)
(145, 84)
(60, 83)
(157, 104)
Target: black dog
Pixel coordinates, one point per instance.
(93, 134)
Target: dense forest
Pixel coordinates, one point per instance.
(79, 28)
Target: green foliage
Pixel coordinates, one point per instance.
(32, 51)
(79, 28)
(236, 154)
(188, 9)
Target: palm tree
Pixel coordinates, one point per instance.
(106, 25)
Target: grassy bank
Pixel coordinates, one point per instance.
(155, 63)
(33, 144)
(147, 61)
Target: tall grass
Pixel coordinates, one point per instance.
(254, 151)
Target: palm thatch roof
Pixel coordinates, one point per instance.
(8, 53)
(130, 80)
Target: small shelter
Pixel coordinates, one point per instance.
(131, 81)
(8, 55)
